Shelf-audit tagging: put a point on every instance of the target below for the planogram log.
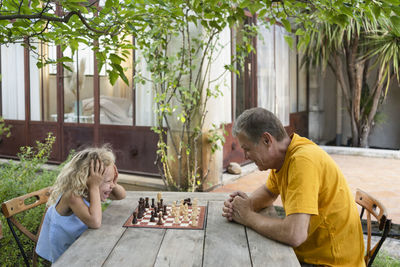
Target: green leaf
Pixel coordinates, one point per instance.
(300, 32)
(287, 25)
(113, 76)
(376, 10)
(341, 19)
(115, 59)
(109, 4)
(73, 43)
(395, 20)
(396, 10)
(262, 13)
(65, 59)
(289, 40)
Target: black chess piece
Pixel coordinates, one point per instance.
(152, 203)
(161, 202)
(187, 201)
(152, 219)
(140, 212)
(159, 219)
(134, 219)
(165, 210)
(147, 203)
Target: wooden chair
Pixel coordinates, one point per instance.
(374, 207)
(18, 205)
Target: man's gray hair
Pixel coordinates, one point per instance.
(255, 121)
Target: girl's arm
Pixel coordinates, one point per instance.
(91, 216)
(118, 191)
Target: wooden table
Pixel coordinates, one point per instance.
(221, 243)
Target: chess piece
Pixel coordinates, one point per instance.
(134, 219)
(195, 223)
(165, 210)
(195, 202)
(158, 196)
(140, 214)
(159, 219)
(195, 212)
(187, 201)
(173, 210)
(161, 202)
(186, 209)
(185, 217)
(176, 220)
(152, 219)
(152, 203)
(147, 203)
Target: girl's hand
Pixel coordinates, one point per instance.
(115, 175)
(96, 173)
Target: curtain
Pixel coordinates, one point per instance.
(144, 109)
(12, 82)
(266, 69)
(282, 76)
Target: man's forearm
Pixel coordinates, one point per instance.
(291, 230)
(262, 198)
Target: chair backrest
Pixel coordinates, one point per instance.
(373, 207)
(20, 204)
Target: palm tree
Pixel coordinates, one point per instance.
(355, 51)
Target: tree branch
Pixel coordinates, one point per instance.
(41, 16)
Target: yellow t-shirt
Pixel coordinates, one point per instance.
(310, 182)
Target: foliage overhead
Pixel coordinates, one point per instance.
(106, 24)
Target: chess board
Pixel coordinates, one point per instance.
(169, 220)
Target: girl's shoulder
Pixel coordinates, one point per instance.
(74, 199)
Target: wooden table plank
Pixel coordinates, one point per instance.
(94, 245)
(266, 252)
(137, 247)
(181, 248)
(225, 242)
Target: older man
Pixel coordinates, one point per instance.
(321, 222)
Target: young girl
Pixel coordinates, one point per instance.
(75, 202)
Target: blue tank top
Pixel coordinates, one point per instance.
(58, 233)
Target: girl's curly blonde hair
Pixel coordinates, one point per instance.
(74, 175)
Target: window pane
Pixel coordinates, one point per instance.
(12, 82)
(78, 86)
(116, 100)
(43, 86)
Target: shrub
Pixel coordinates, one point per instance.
(18, 178)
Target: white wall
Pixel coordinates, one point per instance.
(219, 109)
